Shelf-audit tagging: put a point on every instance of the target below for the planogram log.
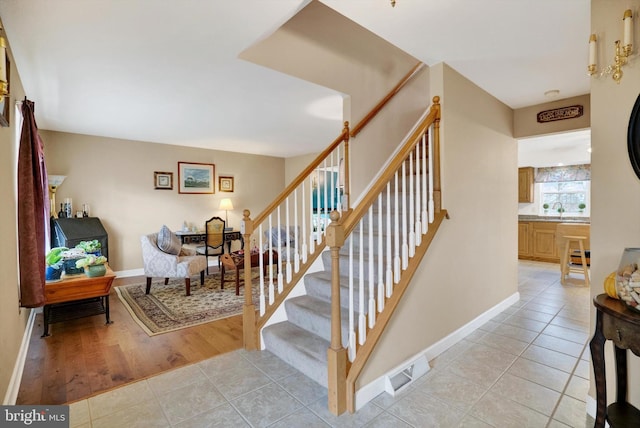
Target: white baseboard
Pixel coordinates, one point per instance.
(373, 389)
(130, 272)
(16, 377)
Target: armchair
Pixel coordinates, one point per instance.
(157, 263)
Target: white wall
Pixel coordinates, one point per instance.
(615, 219)
(115, 177)
(12, 318)
(472, 263)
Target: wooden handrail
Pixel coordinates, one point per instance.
(374, 111)
(344, 136)
(359, 211)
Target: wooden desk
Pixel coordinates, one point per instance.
(77, 296)
(200, 237)
(616, 322)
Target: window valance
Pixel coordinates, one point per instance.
(563, 173)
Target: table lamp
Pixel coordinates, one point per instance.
(226, 205)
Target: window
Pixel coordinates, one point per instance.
(566, 197)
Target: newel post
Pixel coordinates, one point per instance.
(437, 190)
(336, 354)
(250, 336)
(346, 178)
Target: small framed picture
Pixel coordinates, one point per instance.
(196, 177)
(225, 184)
(163, 180)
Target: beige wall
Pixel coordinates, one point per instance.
(12, 319)
(115, 177)
(472, 264)
(525, 123)
(614, 186)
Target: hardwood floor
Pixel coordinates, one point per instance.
(84, 357)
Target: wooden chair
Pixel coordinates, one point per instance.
(214, 240)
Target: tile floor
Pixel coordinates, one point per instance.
(527, 367)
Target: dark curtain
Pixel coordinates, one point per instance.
(33, 210)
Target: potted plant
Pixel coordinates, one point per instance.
(582, 207)
(546, 207)
(54, 261)
(93, 265)
(91, 247)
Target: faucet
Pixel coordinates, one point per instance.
(560, 209)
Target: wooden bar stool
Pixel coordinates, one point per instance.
(567, 267)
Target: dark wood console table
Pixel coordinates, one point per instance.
(200, 237)
(615, 322)
(77, 296)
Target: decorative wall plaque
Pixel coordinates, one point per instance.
(561, 113)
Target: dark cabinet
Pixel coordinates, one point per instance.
(68, 232)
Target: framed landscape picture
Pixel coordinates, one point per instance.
(163, 180)
(196, 177)
(225, 184)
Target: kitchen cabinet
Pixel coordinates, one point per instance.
(543, 241)
(525, 184)
(524, 249)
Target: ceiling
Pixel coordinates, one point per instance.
(570, 148)
(168, 72)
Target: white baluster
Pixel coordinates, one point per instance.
(304, 226)
(288, 242)
(419, 172)
(405, 245)
(280, 279)
(412, 235)
(271, 285)
(396, 234)
(325, 206)
(389, 275)
(431, 205)
(340, 179)
(380, 257)
(262, 298)
(312, 232)
(362, 320)
(352, 328)
(371, 260)
(425, 218)
(296, 253)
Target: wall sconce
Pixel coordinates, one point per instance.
(623, 51)
(4, 73)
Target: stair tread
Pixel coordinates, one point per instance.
(297, 347)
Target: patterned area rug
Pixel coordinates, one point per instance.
(167, 308)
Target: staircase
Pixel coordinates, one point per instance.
(374, 247)
(302, 341)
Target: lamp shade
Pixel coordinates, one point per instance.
(55, 180)
(225, 204)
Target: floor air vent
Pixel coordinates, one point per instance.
(399, 380)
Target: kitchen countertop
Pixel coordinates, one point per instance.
(554, 219)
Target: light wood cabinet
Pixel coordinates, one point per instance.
(543, 240)
(524, 249)
(525, 184)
